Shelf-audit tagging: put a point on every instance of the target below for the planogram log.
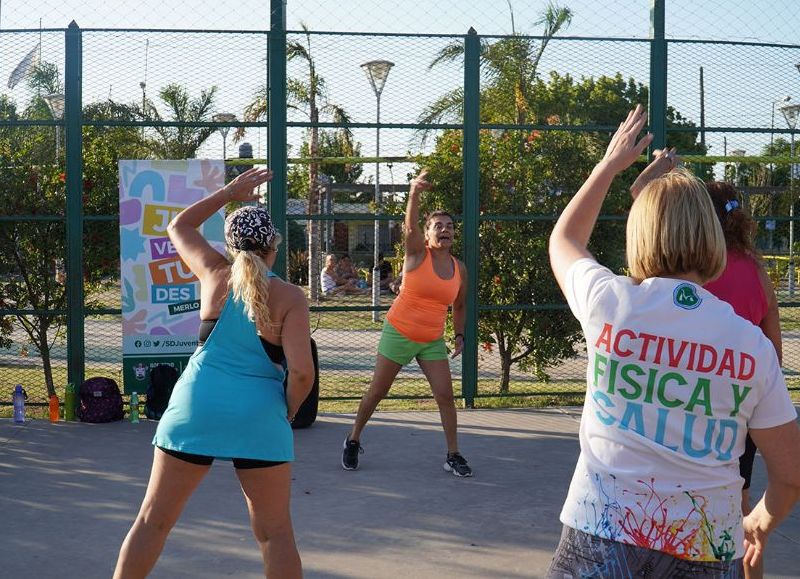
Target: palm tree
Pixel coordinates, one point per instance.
(184, 141)
(510, 65)
(310, 96)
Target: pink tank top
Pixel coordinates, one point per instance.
(740, 286)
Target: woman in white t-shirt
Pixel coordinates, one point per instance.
(674, 381)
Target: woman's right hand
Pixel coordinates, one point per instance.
(420, 183)
(623, 150)
(243, 188)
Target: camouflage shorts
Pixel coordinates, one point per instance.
(585, 556)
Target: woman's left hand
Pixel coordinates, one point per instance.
(244, 187)
(459, 346)
(664, 161)
(624, 149)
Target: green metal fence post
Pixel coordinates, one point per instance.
(276, 131)
(73, 118)
(471, 172)
(658, 75)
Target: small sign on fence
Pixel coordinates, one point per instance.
(160, 294)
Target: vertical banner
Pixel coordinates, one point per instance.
(160, 294)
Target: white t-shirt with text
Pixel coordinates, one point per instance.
(674, 380)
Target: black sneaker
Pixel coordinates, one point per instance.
(457, 464)
(350, 454)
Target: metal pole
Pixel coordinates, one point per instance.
(376, 270)
(791, 217)
(658, 75)
(276, 131)
(471, 172)
(74, 209)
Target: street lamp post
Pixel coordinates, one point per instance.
(223, 129)
(790, 113)
(55, 102)
(784, 99)
(377, 71)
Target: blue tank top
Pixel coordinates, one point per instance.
(229, 402)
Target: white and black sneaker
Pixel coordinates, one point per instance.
(352, 449)
(457, 464)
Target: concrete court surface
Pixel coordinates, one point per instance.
(68, 494)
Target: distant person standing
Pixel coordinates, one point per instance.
(433, 280)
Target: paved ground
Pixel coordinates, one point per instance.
(68, 493)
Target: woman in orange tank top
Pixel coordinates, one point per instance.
(433, 280)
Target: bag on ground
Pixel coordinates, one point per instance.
(162, 380)
(100, 401)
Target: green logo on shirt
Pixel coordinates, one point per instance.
(685, 296)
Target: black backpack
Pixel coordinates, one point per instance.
(100, 401)
(162, 380)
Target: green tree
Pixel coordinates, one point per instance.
(309, 95)
(33, 182)
(331, 144)
(178, 142)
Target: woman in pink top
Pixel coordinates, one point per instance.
(746, 286)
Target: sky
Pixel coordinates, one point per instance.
(741, 82)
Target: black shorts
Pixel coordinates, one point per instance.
(746, 461)
(203, 460)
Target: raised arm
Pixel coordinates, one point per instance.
(414, 238)
(664, 161)
(198, 254)
(571, 233)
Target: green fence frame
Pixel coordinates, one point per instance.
(277, 124)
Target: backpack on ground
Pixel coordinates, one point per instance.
(162, 380)
(100, 401)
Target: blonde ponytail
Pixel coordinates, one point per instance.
(250, 283)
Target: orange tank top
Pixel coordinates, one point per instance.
(420, 311)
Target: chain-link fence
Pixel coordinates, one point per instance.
(509, 120)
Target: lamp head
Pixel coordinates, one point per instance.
(377, 71)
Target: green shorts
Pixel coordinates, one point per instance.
(399, 349)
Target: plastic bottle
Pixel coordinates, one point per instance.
(54, 408)
(134, 413)
(69, 402)
(19, 404)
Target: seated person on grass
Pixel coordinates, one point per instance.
(332, 284)
(387, 274)
(345, 268)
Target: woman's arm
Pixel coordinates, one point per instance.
(460, 311)
(571, 233)
(663, 162)
(198, 254)
(780, 447)
(771, 324)
(414, 238)
(296, 344)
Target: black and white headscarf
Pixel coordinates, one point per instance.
(249, 228)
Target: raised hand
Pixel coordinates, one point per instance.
(243, 187)
(664, 161)
(624, 149)
(420, 183)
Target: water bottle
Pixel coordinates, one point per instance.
(134, 414)
(19, 404)
(54, 409)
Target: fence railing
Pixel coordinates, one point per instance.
(504, 157)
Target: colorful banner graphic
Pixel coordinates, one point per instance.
(160, 294)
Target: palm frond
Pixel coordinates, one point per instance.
(449, 106)
(450, 53)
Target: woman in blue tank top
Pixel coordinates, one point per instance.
(229, 402)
